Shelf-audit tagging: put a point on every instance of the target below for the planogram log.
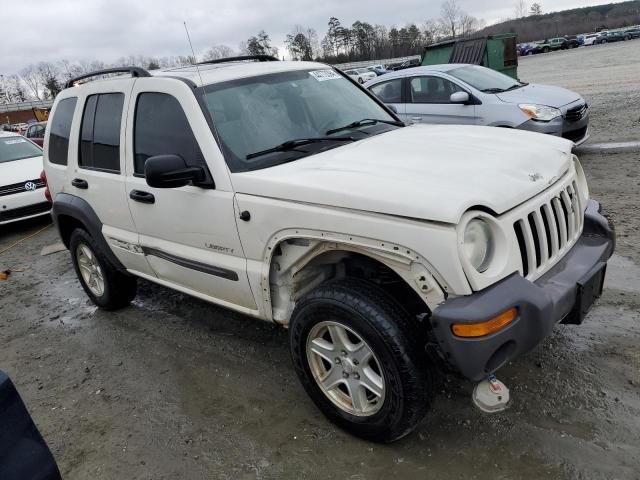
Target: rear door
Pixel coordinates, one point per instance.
(188, 234)
(95, 171)
(428, 101)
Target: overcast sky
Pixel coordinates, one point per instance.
(49, 30)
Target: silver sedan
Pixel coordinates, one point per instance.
(475, 95)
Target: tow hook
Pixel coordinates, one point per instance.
(491, 395)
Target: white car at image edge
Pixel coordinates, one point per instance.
(22, 191)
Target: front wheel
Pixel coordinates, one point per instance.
(107, 287)
(360, 81)
(360, 358)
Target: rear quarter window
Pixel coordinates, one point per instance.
(60, 131)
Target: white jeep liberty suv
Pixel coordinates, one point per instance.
(287, 192)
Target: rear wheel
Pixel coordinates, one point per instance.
(360, 81)
(545, 50)
(360, 358)
(106, 286)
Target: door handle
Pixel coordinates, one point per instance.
(80, 183)
(142, 197)
(416, 119)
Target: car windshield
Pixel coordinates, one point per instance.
(252, 115)
(16, 148)
(485, 79)
(363, 70)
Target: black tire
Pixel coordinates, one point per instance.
(545, 50)
(392, 336)
(360, 81)
(119, 288)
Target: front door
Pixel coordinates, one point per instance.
(188, 234)
(429, 102)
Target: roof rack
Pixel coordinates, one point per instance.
(134, 71)
(258, 58)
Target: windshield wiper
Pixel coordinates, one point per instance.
(494, 90)
(363, 122)
(291, 144)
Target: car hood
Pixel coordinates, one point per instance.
(540, 94)
(20, 170)
(428, 172)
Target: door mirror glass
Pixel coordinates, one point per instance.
(171, 171)
(459, 97)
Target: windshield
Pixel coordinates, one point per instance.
(258, 113)
(485, 79)
(16, 148)
(363, 70)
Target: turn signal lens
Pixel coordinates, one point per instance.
(473, 330)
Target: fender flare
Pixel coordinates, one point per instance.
(79, 209)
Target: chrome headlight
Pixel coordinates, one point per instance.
(478, 244)
(541, 113)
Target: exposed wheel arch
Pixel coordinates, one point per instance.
(296, 265)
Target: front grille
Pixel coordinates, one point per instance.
(24, 211)
(576, 113)
(548, 231)
(575, 135)
(19, 187)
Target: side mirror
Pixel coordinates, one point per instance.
(393, 108)
(459, 97)
(170, 171)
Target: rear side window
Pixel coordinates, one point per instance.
(60, 130)
(100, 132)
(161, 128)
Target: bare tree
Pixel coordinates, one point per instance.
(520, 9)
(536, 9)
(31, 79)
(450, 17)
(218, 51)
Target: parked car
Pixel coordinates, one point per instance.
(551, 44)
(24, 455)
(361, 75)
(475, 95)
(283, 191)
(574, 41)
(610, 37)
(591, 39)
(377, 69)
(632, 33)
(525, 49)
(414, 62)
(35, 132)
(22, 192)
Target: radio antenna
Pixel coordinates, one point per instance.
(195, 60)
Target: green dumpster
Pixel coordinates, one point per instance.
(495, 51)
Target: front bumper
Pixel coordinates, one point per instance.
(23, 205)
(554, 297)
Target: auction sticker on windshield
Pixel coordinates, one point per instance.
(322, 75)
(17, 140)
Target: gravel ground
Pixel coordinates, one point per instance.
(172, 387)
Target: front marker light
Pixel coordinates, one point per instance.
(541, 113)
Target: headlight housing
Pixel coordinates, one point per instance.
(541, 113)
(478, 244)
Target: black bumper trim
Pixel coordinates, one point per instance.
(541, 304)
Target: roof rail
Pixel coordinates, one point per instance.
(259, 58)
(134, 71)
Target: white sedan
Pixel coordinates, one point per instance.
(22, 192)
(361, 75)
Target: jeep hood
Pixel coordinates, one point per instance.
(540, 94)
(428, 172)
